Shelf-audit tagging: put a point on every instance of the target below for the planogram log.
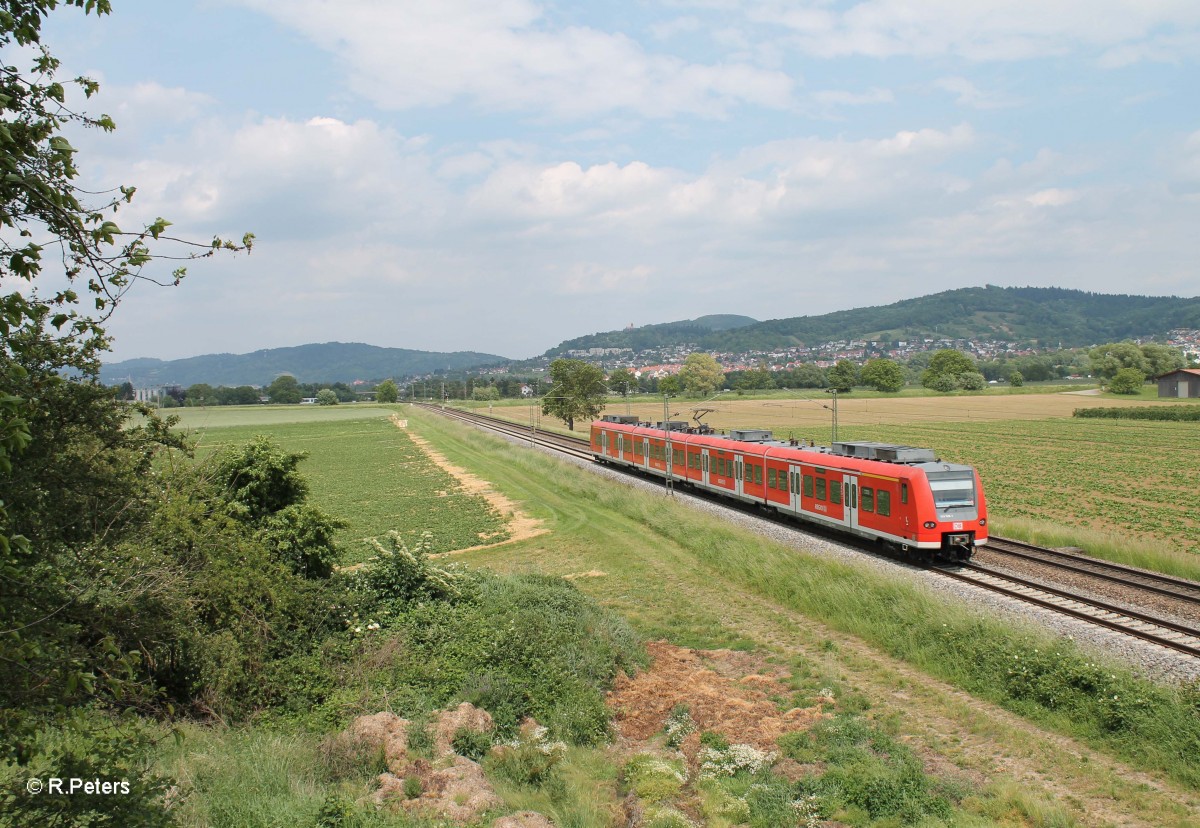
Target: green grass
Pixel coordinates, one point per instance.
(195, 419)
(371, 475)
(257, 778)
(657, 553)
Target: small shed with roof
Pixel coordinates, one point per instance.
(1182, 382)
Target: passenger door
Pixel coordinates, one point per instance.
(850, 499)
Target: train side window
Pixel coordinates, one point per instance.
(835, 491)
(868, 499)
(639, 448)
(808, 485)
(771, 478)
(821, 488)
(883, 503)
(758, 475)
(903, 492)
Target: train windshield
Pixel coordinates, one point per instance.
(953, 492)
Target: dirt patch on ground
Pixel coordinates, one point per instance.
(722, 690)
(520, 525)
(449, 786)
(591, 573)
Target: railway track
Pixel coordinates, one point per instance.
(1179, 589)
(1160, 631)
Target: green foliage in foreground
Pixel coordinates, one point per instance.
(1178, 413)
(517, 646)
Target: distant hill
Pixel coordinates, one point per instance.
(657, 336)
(1043, 316)
(327, 362)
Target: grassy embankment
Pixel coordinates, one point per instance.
(676, 574)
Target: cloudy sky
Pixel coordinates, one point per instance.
(499, 175)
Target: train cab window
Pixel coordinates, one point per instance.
(868, 499)
(808, 485)
(883, 503)
(903, 492)
(821, 488)
(835, 491)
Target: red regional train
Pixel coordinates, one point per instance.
(899, 495)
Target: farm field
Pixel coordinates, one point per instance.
(1124, 489)
(365, 471)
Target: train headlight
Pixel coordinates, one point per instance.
(929, 524)
(983, 521)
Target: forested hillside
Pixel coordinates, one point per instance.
(326, 362)
(1047, 316)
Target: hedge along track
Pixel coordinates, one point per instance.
(1163, 632)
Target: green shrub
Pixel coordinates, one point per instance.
(473, 744)
(1169, 413)
(412, 787)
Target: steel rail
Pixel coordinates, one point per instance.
(1095, 567)
(1192, 649)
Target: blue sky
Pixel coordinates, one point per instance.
(499, 175)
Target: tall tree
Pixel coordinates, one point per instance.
(843, 376)
(74, 476)
(284, 390)
(386, 391)
(883, 375)
(576, 391)
(1106, 360)
(701, 374)
(622, 381)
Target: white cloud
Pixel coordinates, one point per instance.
(507, 56)
(1125, 30)
(1052, 197)
(968, 94)
(837, 97)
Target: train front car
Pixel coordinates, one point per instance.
(953, 509)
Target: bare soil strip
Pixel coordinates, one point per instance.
(521, 526)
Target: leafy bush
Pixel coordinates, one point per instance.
(1127, 381)
(473, 744)
(517, 646)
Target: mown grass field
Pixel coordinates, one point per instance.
(363, 470)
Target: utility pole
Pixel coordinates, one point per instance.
(834, 392)
(667, 446)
